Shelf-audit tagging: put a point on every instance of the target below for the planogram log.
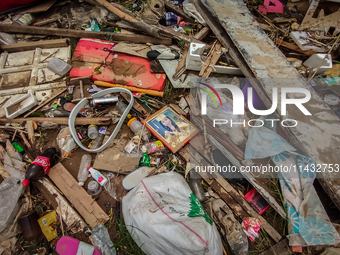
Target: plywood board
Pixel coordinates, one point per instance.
(77, 196)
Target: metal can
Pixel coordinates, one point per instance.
(96, 102)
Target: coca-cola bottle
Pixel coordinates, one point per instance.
(40, 166)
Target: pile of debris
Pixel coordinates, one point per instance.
(169, 127)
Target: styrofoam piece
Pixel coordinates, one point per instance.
(195, 63)
(24, 103)
(59, 66)
(314, 61)
(299, 39)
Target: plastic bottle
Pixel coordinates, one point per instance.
(101, 179)
(121, 107)
(137, 127)
(40, 166)
(83, 173)
(196, 186)
(92, 132)
(333, 80)
(102, 132)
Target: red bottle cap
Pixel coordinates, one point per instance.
(88, 168)
(25, 182)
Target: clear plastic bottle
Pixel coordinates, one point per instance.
(92, 132)
(83, 173)
(121, 107)
(137, 127)
(101, 134)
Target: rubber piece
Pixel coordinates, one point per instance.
(83, 102)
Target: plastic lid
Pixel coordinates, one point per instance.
(25, 182)
(81, 183)
(88, 168)
(130, 121)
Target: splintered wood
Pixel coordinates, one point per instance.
(212, 59)
(78, 197)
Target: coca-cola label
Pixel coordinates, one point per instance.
(44, 162)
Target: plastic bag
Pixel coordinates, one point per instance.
(110, 186)
(163, 216)
(102, 241)
(66, 142)
(251, 228)
(190, 9)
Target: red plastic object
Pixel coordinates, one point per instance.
(10, 4)
(119, 68)
(276, 7)
(257, 201)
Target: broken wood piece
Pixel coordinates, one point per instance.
(175, 9)
(178, 109)
(136, 104)
(44, 44)
(151, 30)
(322, 21)
(202, 33)
(45, 22)
(62, 120)
(92, 213)
(23, 137)
(285, 21)
(180, 69)
(30, 131)
(81, 33)
(294, 47)
(69, 216)
(44, 103)
(209, 64)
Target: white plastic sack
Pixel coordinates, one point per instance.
(163, 216)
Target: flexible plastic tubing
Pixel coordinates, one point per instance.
(82, 103)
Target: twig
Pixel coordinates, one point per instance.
(321, 62)
(15, 132)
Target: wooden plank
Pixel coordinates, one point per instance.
(45, 44)
(81, 33)
(70, 217)
(62, 121)
(78, 197)
(315, 134)
(202, 33)
(294, 47)
(46, 21)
